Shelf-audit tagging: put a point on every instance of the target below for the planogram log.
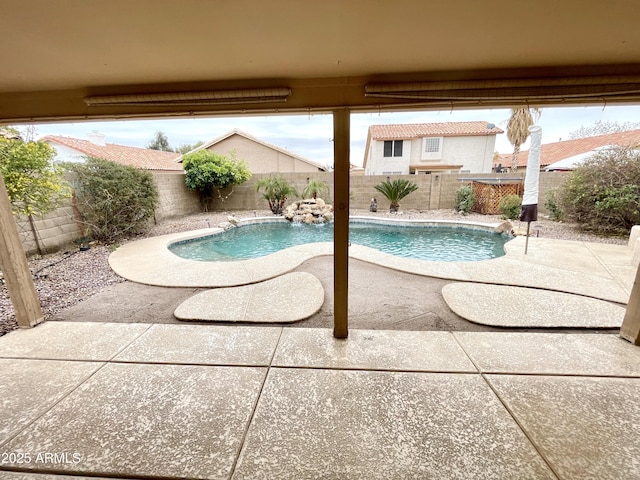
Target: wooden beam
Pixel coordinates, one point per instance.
(631, 324)
(15, 268)
(341, 138)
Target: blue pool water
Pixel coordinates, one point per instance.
(423, 242)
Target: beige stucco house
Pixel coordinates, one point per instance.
(261, 157)
(449, 147)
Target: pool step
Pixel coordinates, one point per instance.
(508, 306)
(284, 299)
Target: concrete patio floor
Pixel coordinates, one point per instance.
(249, 402)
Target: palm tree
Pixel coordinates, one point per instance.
(395, 191)
(315, 188)
(518, 129)
(276, 192)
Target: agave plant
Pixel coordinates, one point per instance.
(315, 188)
(395, 191)
(276, 192)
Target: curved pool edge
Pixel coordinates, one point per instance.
(150, 262)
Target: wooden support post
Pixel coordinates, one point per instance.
(341, 139)
(15, 268)
(631, 324)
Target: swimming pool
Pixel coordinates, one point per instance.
(424, 242)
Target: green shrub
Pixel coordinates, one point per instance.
(552, 204)
(276, 192)
(465, 198)
(209, 173)
(114, 200)
(509, 206)
(603, 194)
(396, 190)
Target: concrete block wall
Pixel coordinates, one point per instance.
(58, 229)
(174, 198)
(435, 191)
(54, 230)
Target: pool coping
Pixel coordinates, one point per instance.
(149, 261)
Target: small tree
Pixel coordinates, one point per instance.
(34, 184)
(276, 192)
(210, 173)
(114, 200)
(160, 142)
(187, 147)
(395, 191)
(602, 127)
(315, 188)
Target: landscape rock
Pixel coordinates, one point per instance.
(309, 211)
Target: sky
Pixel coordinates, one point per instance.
(310, 136)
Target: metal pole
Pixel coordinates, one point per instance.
(526, 242)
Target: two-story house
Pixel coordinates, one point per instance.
(448, 147)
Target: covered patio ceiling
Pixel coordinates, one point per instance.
(57, 56)
(112, 59)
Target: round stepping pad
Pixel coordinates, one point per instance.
(288, 298)
(506, 306)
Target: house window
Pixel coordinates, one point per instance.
(432, 148)
(393, 148)
(432, 144)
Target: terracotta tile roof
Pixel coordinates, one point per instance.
(142, 158)
(445, 129)
(554, 152)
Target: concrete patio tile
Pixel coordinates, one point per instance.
(372, 349)
(584, 427)
(383, 425)
(43, 476)
(71, 340)
(288, 298)
(611, 255)
(204, 344)
(30, 387)
(565, 254)
(506, 306)
(149, 420)
(551, 353)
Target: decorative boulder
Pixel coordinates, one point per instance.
(310, 211)
(226, 225)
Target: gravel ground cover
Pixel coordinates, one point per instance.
(69, 276)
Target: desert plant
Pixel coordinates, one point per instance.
(315, 188)
(210, 173)
(276, 192)
(465, 198)
(395, 191)
(114, 200)
(509, 206)
(603, 194)
(552, 204)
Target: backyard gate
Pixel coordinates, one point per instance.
(489, 192)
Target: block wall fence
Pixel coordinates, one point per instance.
(58, 229)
